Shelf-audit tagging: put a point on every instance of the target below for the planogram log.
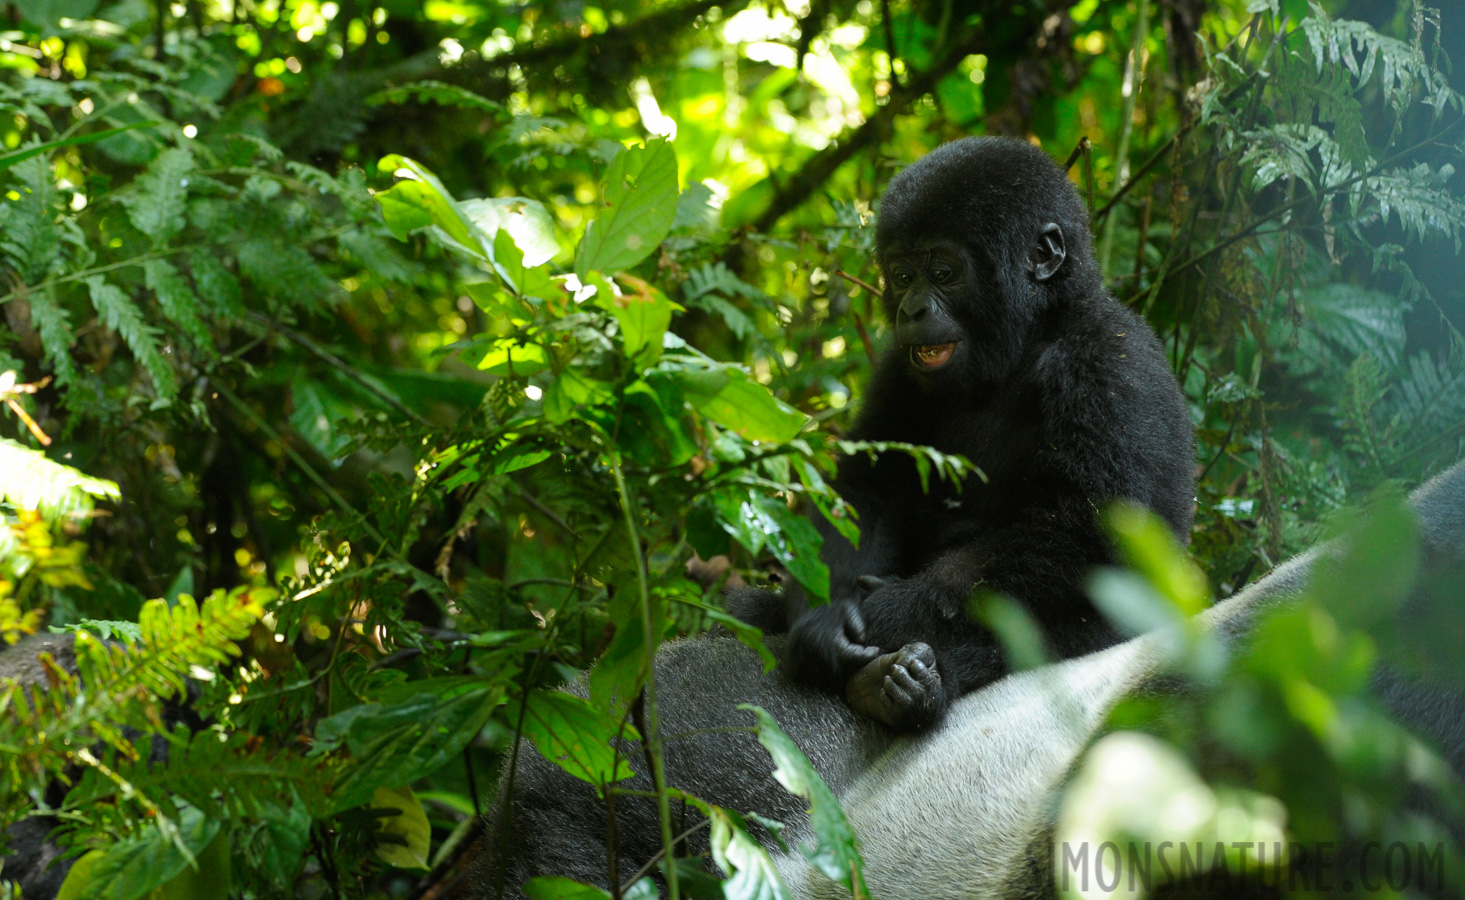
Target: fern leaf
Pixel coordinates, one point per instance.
(1421, 201)
(1430, 398)
(54, 325)
(287, 273)
(1358, 321)
(156, 206)
(31, 480)
(122, 316)
(30, 237)
(216, 286)
(441, 93)
(178, 302)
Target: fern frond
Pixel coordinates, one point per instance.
(223, 775)
(217, 287)
(1420, 199)
(441, 93)
(30, 480)
(1360, 50)
(122, 316)
(30, 237)
(54, 324)
(156, 205)
(178, 302)
(1430, 398)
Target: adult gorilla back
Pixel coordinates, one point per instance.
(966, 810)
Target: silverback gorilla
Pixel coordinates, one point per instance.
(1009, 352)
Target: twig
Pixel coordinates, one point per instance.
(823, 164)
(335, 497)
(339, 364)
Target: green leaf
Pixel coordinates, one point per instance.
(157, 204)
(9, 159)
(149, 859)
(572, 390)
(837, 851)
(509, 356)
(409, 825)
(399, 744)
(751, 872)
(49, 13)
(527, 222)
(54, 324)
(758, 522)
(420, 200)
(178, 302)
(121, 315)
(640, 204)
(575, 735)
(315, 411)
(727, 396)
(1378, 565)
(644, 315)
(553, 887)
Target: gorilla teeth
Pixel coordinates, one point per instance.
(931, 355)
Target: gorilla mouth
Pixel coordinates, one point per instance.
(932, 356)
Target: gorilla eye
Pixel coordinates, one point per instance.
(903, 278)
(940, 274)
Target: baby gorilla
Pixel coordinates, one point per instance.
(1009, 352)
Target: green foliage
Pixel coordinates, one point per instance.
(476, 443)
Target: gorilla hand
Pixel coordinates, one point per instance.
(902, 689)
(827, 644)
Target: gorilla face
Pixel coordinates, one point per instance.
(942, 299)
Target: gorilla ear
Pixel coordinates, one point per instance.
(1047, 254)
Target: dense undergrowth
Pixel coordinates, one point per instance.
(429, 345)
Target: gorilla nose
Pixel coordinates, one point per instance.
(912, 311)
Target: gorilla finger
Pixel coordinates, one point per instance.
(849, 651)
(904, 679)
(854, 623)
(895, 693)
(870, 583)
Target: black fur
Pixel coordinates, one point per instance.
(1061, 396)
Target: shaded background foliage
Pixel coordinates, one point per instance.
(293, 390)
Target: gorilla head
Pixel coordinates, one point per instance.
(977, 240)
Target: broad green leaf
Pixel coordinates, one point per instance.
(1150, 547)
(571, 390)
(134, 866)
(157, 203)
(409, 824)
(420, 200)
(1378, 566)
(730, 398)
(644, 315)
(211, 880)
(509, 356)
(837, 851)
(574, 735)
(316, 410)
(759, 522)
(640, 204)
(528, 223)
(49, 13)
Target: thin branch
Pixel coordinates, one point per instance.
(340, 365)
(309, 471)
(822, 165)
